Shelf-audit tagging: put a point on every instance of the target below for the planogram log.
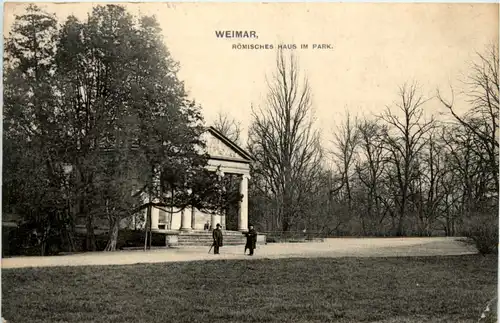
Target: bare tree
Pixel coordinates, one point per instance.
(469, 179)
(427, 190)
(228, 126)
(346, 139)
(482, 118)
(404, 141)
(371, 166)
(283, 141)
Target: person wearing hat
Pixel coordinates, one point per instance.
(251, 240)
(217, 236)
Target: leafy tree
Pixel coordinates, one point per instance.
(33, 174)
(92, 64)
(106, 118)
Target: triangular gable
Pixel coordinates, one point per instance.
(219, 146)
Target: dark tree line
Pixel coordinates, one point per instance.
(405, 171)
(97, 126)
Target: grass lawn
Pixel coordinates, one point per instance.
(424, 289)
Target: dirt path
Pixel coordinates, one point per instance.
(339, 247)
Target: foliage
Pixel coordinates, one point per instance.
(103, 96)
(482, 229)
(485, 237)
(105, 115)
(33, 177)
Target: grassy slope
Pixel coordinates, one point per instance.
(450, 289)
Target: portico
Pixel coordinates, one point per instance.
(226, 158)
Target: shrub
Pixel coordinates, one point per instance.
(483, 231)
(130, 238)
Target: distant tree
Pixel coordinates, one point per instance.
(283, 142)
(405, 140)
(483, 97)
(228, 126)
(345, 141)
(472, 148)
(370, 168)
(427, 192)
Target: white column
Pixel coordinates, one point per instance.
(193, 218)
(145, 224)
(213, 220)
(223, 220)
(155, 215)
(185, 221)
(243, 213)
(155, 212)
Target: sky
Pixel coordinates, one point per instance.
(374, 49)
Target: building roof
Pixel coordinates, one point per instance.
(230, 144)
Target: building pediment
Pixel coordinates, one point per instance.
(219, 146)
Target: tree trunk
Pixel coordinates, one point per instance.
(286, 225)
(150, 227)
(43, 245)
(400, 230)
(363, 225)
(146, 226)
(67, 236)
(90, 238)
(90, 244)
(114, 226)
(402, 211)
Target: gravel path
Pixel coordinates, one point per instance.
(338, 247)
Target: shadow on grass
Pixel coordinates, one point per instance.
(423, 289)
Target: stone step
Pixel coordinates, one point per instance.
(208, 241)
(204, 238)
(209, 237)
(193, 243)
(201, 240)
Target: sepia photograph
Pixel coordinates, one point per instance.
(250, 162)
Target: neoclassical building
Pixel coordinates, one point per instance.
(226, 158)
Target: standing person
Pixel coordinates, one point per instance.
(206, 226)
(217, 236)
(251, 240)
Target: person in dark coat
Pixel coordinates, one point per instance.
(251, 240)
(217, 236)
